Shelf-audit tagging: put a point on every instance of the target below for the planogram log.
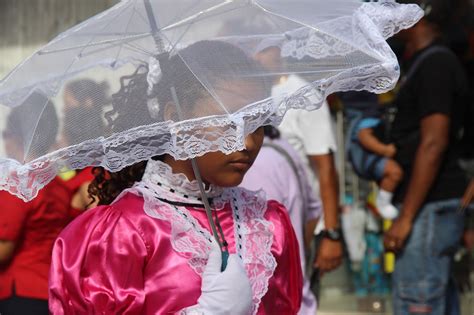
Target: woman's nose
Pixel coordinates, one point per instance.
(249, 143)
(253, 141)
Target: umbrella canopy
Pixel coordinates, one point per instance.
(181, 78)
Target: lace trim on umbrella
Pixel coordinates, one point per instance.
(390, 18)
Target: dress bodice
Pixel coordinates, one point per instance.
(145, 253)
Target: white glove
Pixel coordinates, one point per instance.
(227, 292)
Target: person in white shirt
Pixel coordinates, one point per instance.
(312, 135)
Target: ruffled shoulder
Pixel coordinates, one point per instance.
(101, 244)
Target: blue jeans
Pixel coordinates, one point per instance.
(421, 280)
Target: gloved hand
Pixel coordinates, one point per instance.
(227, 292)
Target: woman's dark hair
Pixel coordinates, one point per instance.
(271, 132)
(213, 60)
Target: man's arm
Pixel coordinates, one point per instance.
(429, 156)
(6, 251)
(330, 253)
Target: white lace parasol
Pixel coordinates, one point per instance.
(183, 79)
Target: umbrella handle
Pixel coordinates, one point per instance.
(225, 258)
(225, 252)
(205, 200)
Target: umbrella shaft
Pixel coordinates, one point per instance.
(153, 25)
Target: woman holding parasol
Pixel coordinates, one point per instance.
(184, 129)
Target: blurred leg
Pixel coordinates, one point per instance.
(392, 175)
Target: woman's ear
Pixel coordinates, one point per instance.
(170, 112)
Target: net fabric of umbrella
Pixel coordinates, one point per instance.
(157, 56)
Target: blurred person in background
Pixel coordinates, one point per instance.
(280, 173)
(84, 102)
(431, 104)
(28, 230)
(312, 135)
(368, 151)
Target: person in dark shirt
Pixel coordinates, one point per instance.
(426, 129)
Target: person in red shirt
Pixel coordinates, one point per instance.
(80, 97)
(28, 230)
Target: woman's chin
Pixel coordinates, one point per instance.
(230, 180)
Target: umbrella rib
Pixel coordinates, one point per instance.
(179, 16)
(27, 149)
(107, 41)
(134, 37)
(216, 98)
(195, 16)
(190, 23)
(140, 15)
(181, 37)
(126, 29)
(30, 142)
(137, 48)
(191, 20)
(306, 25)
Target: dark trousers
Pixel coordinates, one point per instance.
(16, 305)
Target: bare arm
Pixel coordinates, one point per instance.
(326, 170)
(371, 143)
(6, 251)
(429, 156)
(81, 199)
(330, 253)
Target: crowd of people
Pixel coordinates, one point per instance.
(84, 245)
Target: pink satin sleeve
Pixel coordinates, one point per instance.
(97, 266)
(287, 281)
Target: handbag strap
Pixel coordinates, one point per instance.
(293, 166)
(423, 56)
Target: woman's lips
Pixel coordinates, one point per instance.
(242, 165)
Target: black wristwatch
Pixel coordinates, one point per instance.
(332, 234)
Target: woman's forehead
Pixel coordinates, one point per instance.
(229, 96)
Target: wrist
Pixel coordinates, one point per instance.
(406, 217)
(334, 234)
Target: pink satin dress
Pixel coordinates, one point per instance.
(145, 253)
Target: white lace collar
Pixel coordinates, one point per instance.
(253, 234)
(159, 176)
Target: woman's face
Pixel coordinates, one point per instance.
(228, 170)
(218, 168)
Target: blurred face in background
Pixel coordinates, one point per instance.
(82, 119)
(270, 59)
(13, 146)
